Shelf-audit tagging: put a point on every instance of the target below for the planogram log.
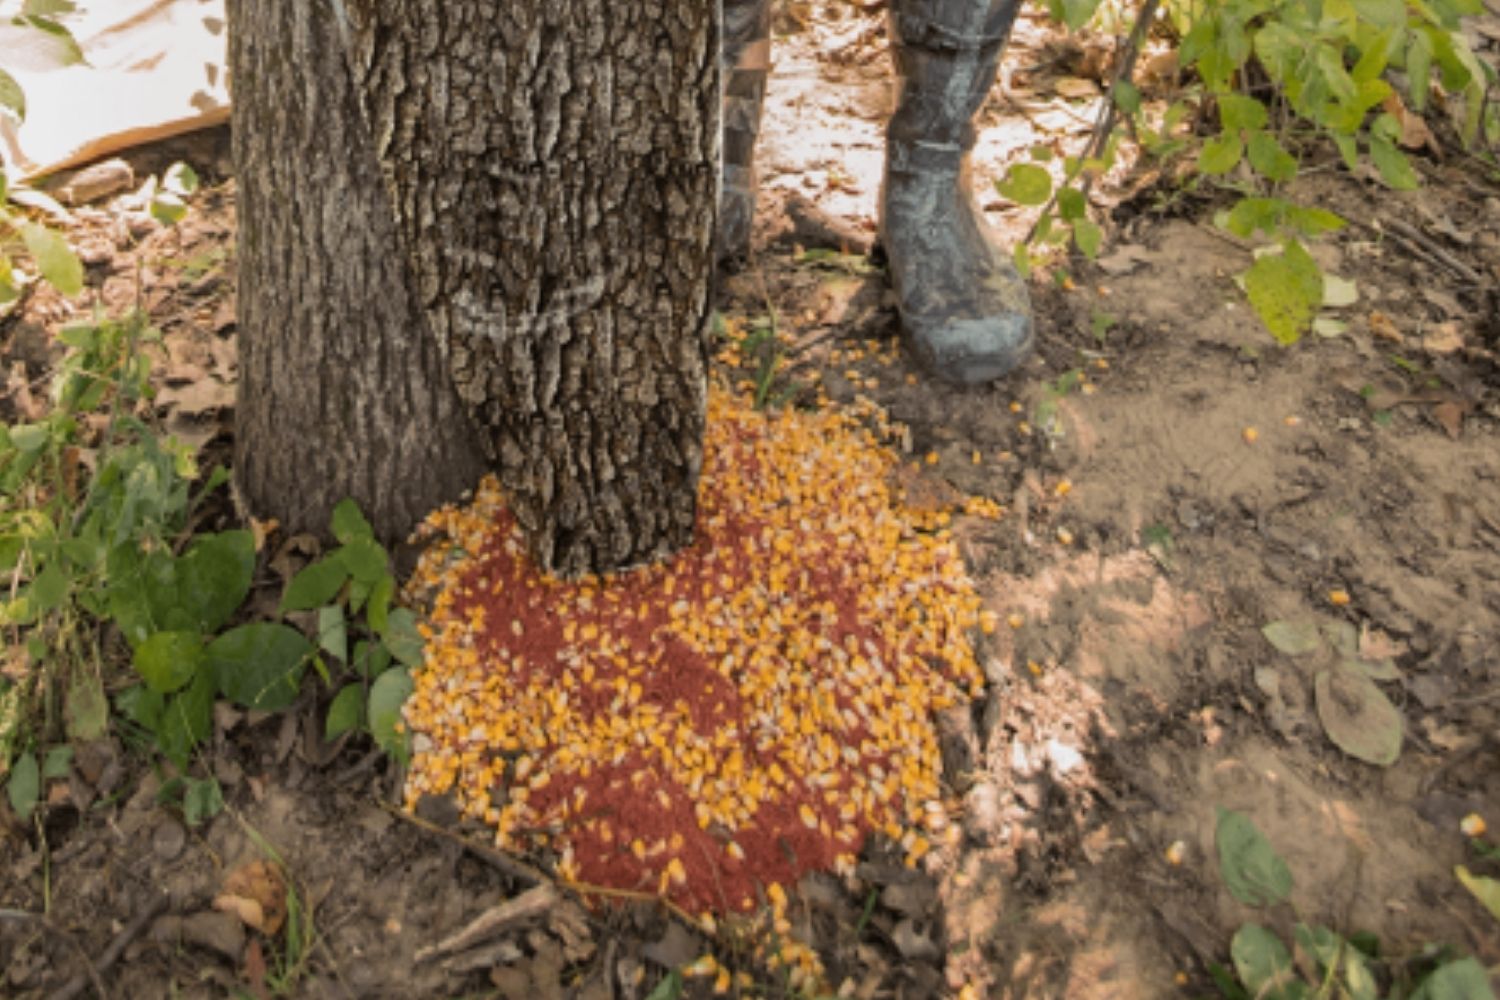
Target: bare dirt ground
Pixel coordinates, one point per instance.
(1173, 481)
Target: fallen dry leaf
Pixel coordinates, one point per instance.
(1383, 329)
(1450, 415)
(1444, 338)
(256, 893)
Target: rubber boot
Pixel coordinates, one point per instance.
(964, 308)
(746, 60)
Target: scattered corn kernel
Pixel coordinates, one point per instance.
(1338, 598)
(1015, 619)
(1472, 825)
(1063, 488)
(1250, 434)
(1065, 536)
(1176, 852)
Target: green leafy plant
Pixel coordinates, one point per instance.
(1317, 962)
(1269, 75)
(353, 580)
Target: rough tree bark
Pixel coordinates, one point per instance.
(343, 393)
(550, 171)
(556, 164)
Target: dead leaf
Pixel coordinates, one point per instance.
(1383, 329)
(1414, 131)
(256, 893)
(1450, 415)
(1376, 645)
(197, 398)
(1358, 717)
(1123, 260)
(255, 968)
(1444, 338)
(1075, 88)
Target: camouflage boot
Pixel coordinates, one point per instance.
(964, 308)
(746, 60)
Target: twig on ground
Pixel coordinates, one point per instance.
(494, 857)
(1433, 249)
(497, 919)
(157, 905)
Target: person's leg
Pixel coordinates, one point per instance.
(746, 60)
(964, 309)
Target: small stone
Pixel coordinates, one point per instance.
(168, 839)
(217, 932)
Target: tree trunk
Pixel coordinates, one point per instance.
(556, 164)
(343, 391)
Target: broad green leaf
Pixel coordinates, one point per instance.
(12, 97)
(57, 762)
(1126, 97)
(1221, 154)
(1386, 13)
(142, 706)
(1269, 159)
(1071, 204)
(1294, 638)
(1088, 236)
(202, 800)
(315, 585)
(379, 608)
(1313, 221)
(1026, 184)
(180, 179)
(213, 577)
(1264, 964)
(54, 258)
(333, 633)
(25, 785)
(364, 558)
(1358, 717)
(168, 661)
(387, 695)
(28, 438)
(348, 523)
(1464, 979)
(670, 987)
(48, 8)
(1250, 866)
(1285, 290)
(187, 719)
(402, 638)
(371, 658)
(1486, 890)
(168, 208)
(1395, 169)
(1419, 69)
(86, 714)
(345, 712)
(50, 588)
(1238, 112)
(1348, 149)
(260, 665)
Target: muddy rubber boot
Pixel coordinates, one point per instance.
(964, 308)
(746, 60)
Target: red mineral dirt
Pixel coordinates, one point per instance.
(723, 723)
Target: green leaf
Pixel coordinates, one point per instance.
(168, 208)
(260, 665)
(345, 712)
(49, 589)
(180, 179)
(1220, 154)
(371, 658)
(1313, 221)
(55, 765)
(1333, 954)
(364, 558)
(1088, 236)
(378, 613)
(387, 695)
(1285, 290)
(54, 258)
(141, 705)
(1358, 717)
(670, 987)
(86, 714)
(1126, 97)
(1071, 204)
(28, 438)
(1026, 184)
(25, 785)
(12, 97)
(333, 633)
(315, 585)
(1250, 866)
(202, 800)
(1264, 964)
(1395, 169)
(1419, 69)
(1464, 979)
(168, 661)
(1238, 112)
(1486, 890)
(348, 523)
(214, 576)
(402, 638)
(1294, 638)
(1269, 159)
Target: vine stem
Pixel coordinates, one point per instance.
(1105, 125)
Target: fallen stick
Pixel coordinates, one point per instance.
(517, 910)
(111, 955)
(507, 865)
